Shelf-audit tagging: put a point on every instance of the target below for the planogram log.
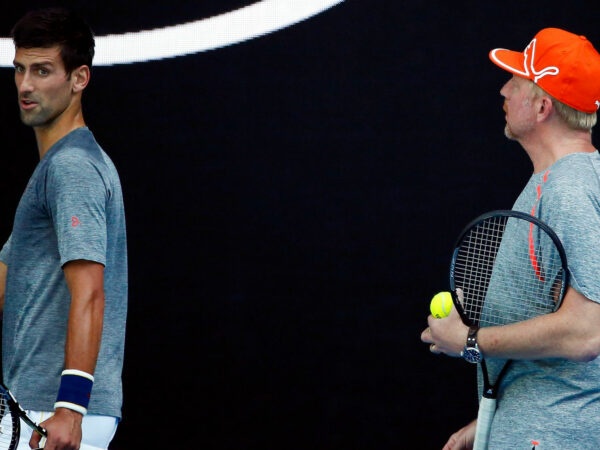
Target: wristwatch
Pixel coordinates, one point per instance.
(471, 352)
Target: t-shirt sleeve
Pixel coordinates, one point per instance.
(577, 223)
(5, 251)
(75, 195)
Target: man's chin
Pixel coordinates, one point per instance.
(29, 120)
(509, 134)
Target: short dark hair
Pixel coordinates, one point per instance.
(48, 27)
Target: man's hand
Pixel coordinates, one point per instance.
(64, 431)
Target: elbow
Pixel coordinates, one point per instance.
(585, 357)
(587, 351)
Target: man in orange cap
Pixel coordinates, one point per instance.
(550, 396)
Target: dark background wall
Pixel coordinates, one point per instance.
(292, 201)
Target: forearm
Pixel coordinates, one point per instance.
(85, 280)
(86, 315)
(3, 270)
(571, 332)
(84, 333)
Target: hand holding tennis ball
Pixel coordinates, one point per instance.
(441, 304)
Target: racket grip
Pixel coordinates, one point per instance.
(487, 408)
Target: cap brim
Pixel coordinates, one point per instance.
(511, 61)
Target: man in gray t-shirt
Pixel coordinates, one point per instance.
(71, 210)
(550, 396)
(63, 270)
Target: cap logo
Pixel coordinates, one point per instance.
(528, 64)
(529, 53)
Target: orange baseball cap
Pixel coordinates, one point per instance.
(563, 64)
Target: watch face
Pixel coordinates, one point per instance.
(472, 354)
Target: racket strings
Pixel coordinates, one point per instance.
(474, 264)
(501, 280)
(9, 425)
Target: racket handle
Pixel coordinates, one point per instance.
(487, 408)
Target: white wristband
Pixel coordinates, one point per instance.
(72, 406)
(79, 373)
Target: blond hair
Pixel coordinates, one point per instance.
(575, 119)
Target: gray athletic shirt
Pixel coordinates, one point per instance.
(555, 403)
(72, 209)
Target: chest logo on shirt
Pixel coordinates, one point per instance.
(75, 221)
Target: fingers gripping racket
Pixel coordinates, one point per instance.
(507, 267)
(11, 414)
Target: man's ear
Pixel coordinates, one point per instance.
(81, 78)
(545, 106)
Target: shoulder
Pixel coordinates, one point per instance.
(77, 151)
(570, 196)
(576, 174)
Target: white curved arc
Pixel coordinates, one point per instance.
(225, 29)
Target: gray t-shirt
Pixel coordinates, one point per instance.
(556, 402)
(72, 209)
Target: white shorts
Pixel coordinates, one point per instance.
(97, 431)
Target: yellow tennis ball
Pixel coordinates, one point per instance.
(441, 304)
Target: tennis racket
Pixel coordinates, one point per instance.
(11, 414)
(507, 266)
